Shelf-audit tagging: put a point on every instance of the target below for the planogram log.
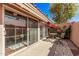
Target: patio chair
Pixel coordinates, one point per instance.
(62, 35)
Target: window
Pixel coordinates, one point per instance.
(16, 35)
(10, 36)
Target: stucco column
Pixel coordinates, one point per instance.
(43, 31)
(2, 38)
(27, 31)
(38, 30)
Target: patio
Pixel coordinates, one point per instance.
(49, 48)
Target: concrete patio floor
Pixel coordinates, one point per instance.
(47, 48)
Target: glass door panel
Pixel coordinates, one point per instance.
(25, 36)
(36, 31)
(19, 37)
(16, 33)
(33, 31)
(9, 40)
(41, 31)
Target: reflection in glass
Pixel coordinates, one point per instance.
(16, 33)
(33, 31)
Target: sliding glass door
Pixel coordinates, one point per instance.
(33, 31)
(16, 32)
(41, 31)
(46, 31)
(36, 30)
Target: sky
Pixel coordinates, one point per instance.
(45, 8)
(76, 17)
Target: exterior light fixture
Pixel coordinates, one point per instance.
(15, 14)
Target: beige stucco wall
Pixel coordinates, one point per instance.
(1, 28)
(75, 34)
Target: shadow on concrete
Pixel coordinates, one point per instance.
(52, 50)
(73, 48)
(53, 47)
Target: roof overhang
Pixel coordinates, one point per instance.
(26, 9)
